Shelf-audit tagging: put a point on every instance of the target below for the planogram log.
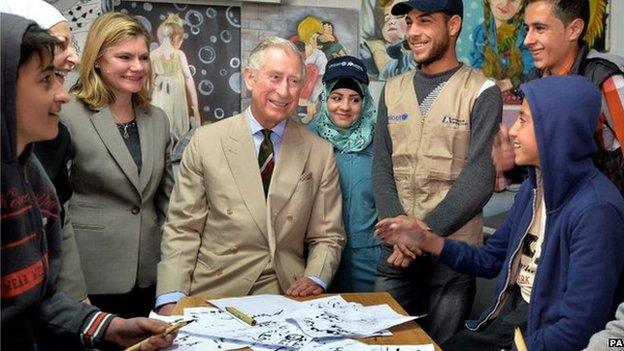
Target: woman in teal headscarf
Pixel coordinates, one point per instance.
(346, 119)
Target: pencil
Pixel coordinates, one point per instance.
(519, 340)
(170, 329)
(240, 315)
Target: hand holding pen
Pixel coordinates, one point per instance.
(151, 337)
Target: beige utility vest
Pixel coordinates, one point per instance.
(429, 152)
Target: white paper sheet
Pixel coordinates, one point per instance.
(190, 342)
(286, 324)
(211, 321)
(335, 345)
(335, 317)
(167, 319)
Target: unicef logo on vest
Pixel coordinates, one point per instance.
(398, 118)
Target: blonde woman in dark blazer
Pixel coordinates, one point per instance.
(120, 170)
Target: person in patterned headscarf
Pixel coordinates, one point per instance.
(346, 119)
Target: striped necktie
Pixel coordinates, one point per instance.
(265, 160)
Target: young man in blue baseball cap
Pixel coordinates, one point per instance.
(432, 161)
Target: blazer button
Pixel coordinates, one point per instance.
(234, 249)
(230, 211)
(136, 210)
(289, 217)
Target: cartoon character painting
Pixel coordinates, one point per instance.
(317, 43)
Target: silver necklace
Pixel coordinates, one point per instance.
(123, 128)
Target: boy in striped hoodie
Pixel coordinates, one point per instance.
(34, 314)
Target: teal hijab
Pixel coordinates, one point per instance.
(359, 135)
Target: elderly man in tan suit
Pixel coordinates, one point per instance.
(255, 193)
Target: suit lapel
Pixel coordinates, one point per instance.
(104, 125)
(291, 161)
(146, 136)
(241, 156)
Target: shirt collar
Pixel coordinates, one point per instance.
(256, 127)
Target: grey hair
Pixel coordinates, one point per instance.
(256, 57)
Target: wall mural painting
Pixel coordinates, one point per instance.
(493, 34)
(320, 34)
(80, 14)
(498, 46)
(195, 53)
(383, 48)
(492, 39)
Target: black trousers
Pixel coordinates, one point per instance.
(498, 333)
(138, 302)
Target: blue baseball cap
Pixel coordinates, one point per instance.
(345, 67)
(453, 7)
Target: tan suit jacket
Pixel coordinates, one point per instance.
(116, 211)
(221, 232)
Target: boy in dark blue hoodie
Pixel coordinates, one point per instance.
(558, 255)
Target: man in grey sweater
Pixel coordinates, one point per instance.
(432, 161)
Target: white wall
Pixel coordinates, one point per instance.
(617, 27)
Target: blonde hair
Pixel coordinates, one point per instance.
(108, 30)
(171, 27)
(308, 27)
(256, 57)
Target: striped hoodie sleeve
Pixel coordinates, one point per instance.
(71, 323)
(94, 328)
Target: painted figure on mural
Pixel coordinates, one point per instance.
(317, 43)
(382, 49)
(174, 86)
(498, 47)
(328, 42)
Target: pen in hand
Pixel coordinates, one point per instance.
(241, 315)
(170, 329)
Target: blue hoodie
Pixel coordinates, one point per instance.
(579, 279)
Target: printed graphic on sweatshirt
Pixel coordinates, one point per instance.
(529, 261)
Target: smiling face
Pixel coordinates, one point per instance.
(125, 67)
(504, 10)
(428, 36)
(275, 87)
(522, 133)
(39, 97)
(344, 106)
(553, 45)
(66, 58)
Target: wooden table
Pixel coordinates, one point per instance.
(409, 333)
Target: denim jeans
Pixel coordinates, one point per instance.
(428, 287)
(498, 333)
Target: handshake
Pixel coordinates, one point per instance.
(410, 237)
